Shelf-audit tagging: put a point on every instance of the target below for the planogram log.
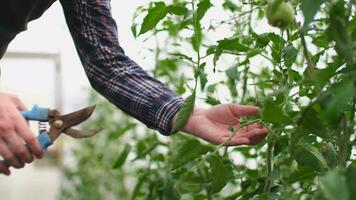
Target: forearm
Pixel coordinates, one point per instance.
(111, 72)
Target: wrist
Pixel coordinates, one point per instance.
(189, 125)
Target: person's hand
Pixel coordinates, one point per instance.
(17, 143)
(212, 125)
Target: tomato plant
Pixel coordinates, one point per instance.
(303, 76)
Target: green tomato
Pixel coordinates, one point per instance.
(282, 16)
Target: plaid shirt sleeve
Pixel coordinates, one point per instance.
(113, 74)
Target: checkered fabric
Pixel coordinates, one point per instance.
(111, 72)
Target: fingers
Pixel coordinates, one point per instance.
(247, 128)
(17, 142)
(4, 168)
(28, 137)
(8, 155)
(243, 110)
(251, 137)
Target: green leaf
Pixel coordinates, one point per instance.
(203, 7)
(320, 77)
(185, 112)
(339, 33)
(221, 174)
(290, 55)
(273, 113)
(311, 122)
(169, 192)
(334, 186)
(303, 173)
(154, 15)
(306, 154)
(232, 45)
(212, 101)
(351, 181)
(203, 80)
(192, 183)
(122, 157)
(342, 93)
(232, 73)
(310, 8)
(262, 40)
(275, 175)
(230, 6)
(141, 180)
(330, 154)
(187, 152)
(177, 9)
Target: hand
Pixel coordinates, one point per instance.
(17, 143)
(212, 125)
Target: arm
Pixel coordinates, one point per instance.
(130, 88)
(111, 72)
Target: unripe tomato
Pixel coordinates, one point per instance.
(282, 16)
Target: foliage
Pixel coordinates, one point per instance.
(303, 77)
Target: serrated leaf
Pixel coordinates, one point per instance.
(154, 15)
(310, 8)
(221, 174)
(187, 152)
(185, 112)
(122, 157)
(334, 186)
(306, 154)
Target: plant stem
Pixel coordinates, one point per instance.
(270, 148)
(197, 43)
(310, 64)
(344, 139)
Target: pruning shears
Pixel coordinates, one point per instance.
(58, 123)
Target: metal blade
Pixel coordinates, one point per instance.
(75, 118)
(82, 134)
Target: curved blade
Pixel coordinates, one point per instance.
(82, 134)
(75, 118)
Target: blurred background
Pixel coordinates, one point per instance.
(42, 67)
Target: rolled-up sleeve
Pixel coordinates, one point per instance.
(113, 74)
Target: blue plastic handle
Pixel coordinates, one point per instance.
(39, 114)
(44, 140)
(36, 114)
